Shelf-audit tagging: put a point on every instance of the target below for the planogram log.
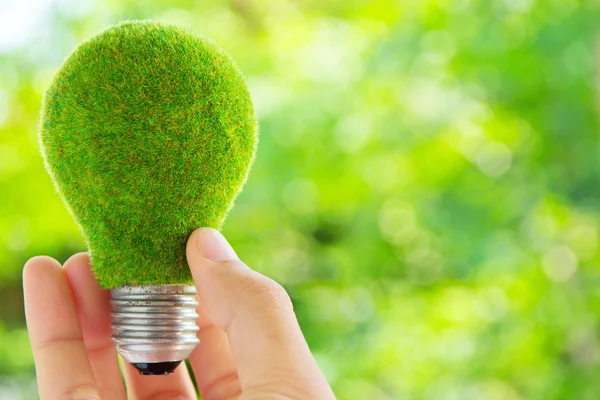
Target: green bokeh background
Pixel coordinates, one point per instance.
(427, 186)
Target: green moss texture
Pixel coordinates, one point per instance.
(148, 131)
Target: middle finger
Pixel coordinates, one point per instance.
(93, 308)
(212, 361)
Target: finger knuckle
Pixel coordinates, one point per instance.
(224, 387)
(169, 395)
(270, 293)
(59, 341)
(80, 392)
(285, 386)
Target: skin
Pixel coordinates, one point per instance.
(251, 346)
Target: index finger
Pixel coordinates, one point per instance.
(62, 366)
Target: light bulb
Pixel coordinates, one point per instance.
(148, 132)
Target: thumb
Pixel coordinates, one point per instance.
(257, 314)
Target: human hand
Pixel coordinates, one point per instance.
(251, 346)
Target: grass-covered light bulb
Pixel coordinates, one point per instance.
(148, 132)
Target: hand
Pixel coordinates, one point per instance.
(251, 346)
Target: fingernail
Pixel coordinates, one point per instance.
(214, 246)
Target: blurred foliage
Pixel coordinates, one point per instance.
(426, 186)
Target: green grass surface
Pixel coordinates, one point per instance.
(148, 131)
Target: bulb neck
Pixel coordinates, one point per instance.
(154, 326)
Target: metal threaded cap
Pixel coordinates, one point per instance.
(154, 324)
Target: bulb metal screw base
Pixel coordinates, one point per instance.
(154, 326)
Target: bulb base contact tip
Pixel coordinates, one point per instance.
(160, 368)
(154, 326)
